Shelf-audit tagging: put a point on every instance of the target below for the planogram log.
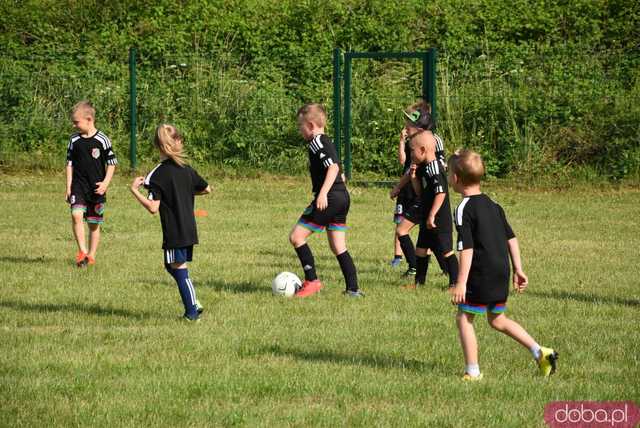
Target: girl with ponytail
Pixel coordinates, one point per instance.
(171, 187)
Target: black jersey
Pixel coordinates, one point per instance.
(482, 225)
(89, 157)
(175, 186)
(322, 154)
(440, 153)
(433, 181)
(407, 156)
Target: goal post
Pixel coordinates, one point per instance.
(342, 125)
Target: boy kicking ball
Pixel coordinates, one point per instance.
(486, 242)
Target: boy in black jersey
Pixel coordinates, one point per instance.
(172, 186)
(429, 181)
(329, 207)
(91, 163)
(409, 210)
(485, 243)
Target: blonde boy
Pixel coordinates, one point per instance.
(91, 163)
(486, 242)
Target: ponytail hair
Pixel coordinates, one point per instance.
(169, 141)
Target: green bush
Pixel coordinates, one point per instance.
(534, 85)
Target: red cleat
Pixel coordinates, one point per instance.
(308, 288)
(81, 259)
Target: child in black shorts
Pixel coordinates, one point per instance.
(329, 207)
(408, 211)
(485, 244)
(172, 186)
(91, 163)
(429, 181)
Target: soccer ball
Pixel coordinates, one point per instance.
(285, 284)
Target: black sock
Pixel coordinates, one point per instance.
(442, 263)
(397, 257)
(452, 268)
(408, 250)
(348, 270)
(307, 262)
(422, 266)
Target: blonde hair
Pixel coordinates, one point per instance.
(467, 165)
(314, 113)
(86, 108)
(166, 140)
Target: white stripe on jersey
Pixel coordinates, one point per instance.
(106, 143)
(459, 211)
(147, 179)
(112, 162)
(327, 162)
(439, 143)
(315, 144)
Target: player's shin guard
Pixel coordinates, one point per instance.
(408, 250)
(307, 262)
(187, 292)
(452, 268)
(422, 267)
(348, 270)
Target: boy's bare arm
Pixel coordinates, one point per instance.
(396, 189)
(321, 200)
(460, 290)
(69, 171)
(151, 206)
(520, 280)
(402, 156)
(437, 203)
(104, 184)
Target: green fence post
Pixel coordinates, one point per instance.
(336, 99)
(132, 108)
(429, 80)
(347, 115)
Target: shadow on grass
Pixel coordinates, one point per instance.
(73, 307)
(586, 298)
(233, 287)
(26, 259)
(343, 358)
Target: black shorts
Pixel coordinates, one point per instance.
(408, 205)
(93, 211)
(334, 217)
(437, 241)
(411, 211)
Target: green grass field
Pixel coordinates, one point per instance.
(105, 347)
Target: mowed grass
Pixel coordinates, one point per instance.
(105, 347)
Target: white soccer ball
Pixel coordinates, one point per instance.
(285, 284)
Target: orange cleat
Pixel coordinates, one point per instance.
(90, 260)
(81, 259)
(409, 287)
(308, 288)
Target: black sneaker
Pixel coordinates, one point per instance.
(410, 272)
(354, 294)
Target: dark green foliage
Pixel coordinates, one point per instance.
(536, 86)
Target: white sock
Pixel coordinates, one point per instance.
(472, 370)
(535, 351)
